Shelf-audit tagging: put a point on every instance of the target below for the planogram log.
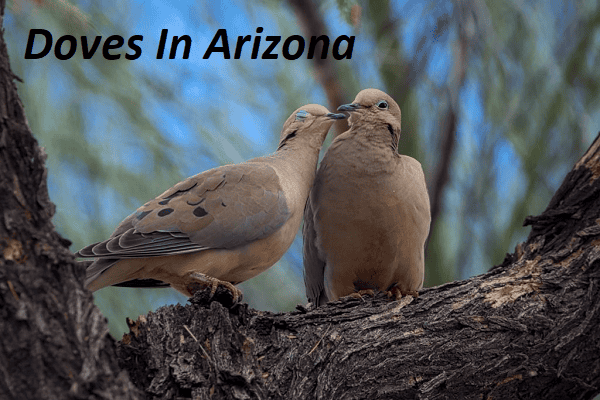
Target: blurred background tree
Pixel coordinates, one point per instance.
(499, 99)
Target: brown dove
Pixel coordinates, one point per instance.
(368, 214)
(220, 227)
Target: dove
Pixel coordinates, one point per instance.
(368, 214)
(220, 227)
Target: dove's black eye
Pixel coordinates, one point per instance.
(382, 104)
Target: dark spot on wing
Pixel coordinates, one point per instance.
(223, 204)
(165, 211)
(143, 214)
(200, 212)
(164, 202)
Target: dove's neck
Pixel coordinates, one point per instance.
(299, 161)
(371, 153)
(296, 165)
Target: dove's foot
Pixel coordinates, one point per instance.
(397, 294)
(222, 291)
(360, 294)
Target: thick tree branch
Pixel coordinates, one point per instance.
(529, 328)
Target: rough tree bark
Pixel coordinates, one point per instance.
(54, 342)
(526, 329)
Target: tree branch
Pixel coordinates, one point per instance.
(526, 329)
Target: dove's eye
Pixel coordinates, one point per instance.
(382, 104)
(301, 115)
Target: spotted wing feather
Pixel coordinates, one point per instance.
(225, 207)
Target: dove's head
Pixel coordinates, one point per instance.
(376, 109)
(308, 123)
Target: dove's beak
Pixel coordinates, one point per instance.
(336, 116)
(349, 107)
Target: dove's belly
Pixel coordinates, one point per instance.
(232, 265)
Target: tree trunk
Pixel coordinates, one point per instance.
(526, 329)
(54, 342)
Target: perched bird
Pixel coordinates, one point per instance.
(222, 226)
(368, 214)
